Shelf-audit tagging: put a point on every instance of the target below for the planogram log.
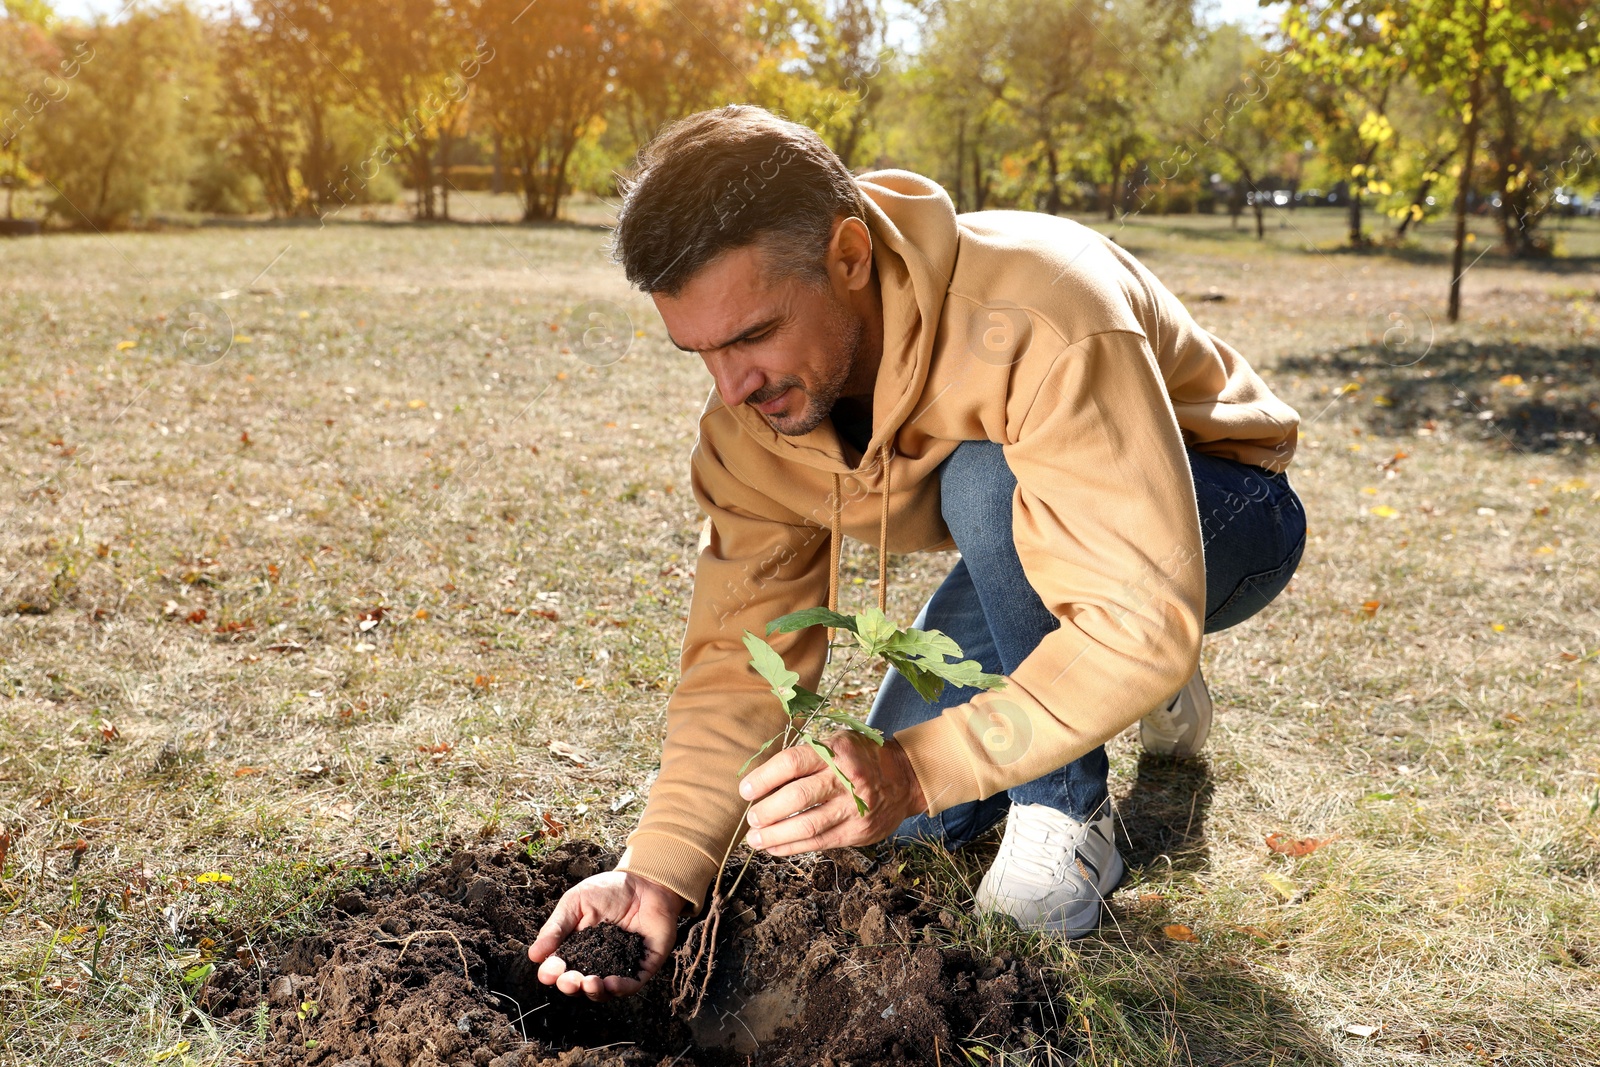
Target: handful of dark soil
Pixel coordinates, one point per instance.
(603, 949)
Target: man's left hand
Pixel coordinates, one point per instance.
(801, 806)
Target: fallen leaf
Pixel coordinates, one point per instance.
(420, 613)
(1370, 607)
(370, 618)
(1505, 379)
(1362, 1029)
(416, 405)
(1281, 885)
(213, 878)
(1179, 932)
(123, 346)
(569, 752)
(196, 616)
(1254, 931)
(1285, 845)
(245, 772)
(236, 626)
(552, 825)
(1384, 511)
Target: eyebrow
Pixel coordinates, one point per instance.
(743, 334)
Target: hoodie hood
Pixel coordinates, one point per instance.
(913, 227)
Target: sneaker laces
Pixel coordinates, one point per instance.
(1046, 838)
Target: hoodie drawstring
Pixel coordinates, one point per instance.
(836, 538)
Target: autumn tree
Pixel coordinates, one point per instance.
(555, 68)
(1350, 68)
(962, 75)
(411, 65)
(34, 76)
(1239, 113)
(682, 56)
(129, 133)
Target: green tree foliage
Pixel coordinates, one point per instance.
(1243, 115)
(1495, 67)
(129, 133)
(34, 76)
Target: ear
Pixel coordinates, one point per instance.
(850, 252)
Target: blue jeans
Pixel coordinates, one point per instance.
(1253, 531)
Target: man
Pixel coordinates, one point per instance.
(1006, 383)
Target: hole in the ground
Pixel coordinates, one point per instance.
(830, 958)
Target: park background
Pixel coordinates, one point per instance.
(345, 503)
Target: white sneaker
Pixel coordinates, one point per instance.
(1052, 871)
(1179, 728)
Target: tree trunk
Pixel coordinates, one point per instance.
(1357, 238)
(1115, 188)
(1053, 203)
(961, 164)
(497, 184)
(444, 175)
(1518, 211)
(1420, 201)
(1464, 191)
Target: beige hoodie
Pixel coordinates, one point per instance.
(1008, 326)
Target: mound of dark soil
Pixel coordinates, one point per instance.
(603, 949)
(825, 960)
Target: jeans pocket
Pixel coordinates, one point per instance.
(1255, 592)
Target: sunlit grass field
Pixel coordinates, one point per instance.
(314, 540)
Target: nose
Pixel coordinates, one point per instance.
(735, 382)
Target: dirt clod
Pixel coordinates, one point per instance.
(603, 949)
(434, 972)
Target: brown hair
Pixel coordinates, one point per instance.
(723, 179)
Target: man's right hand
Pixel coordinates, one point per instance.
(647, 908)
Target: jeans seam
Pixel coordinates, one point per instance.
(1292, 560)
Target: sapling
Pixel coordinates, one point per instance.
(926, 658)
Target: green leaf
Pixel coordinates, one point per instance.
(805, 702)
(969, 672)
(929, 644)
(765, 659)
(927, 685)
(849, 722)
(774, 739)
(826, 755)
(874, 630)
(799, 620)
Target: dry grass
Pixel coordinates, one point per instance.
(398, 426)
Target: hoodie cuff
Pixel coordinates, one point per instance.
(942, 762)
(678, 865)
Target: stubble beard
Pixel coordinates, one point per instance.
(846, 335)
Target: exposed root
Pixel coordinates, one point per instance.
(405, 944)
